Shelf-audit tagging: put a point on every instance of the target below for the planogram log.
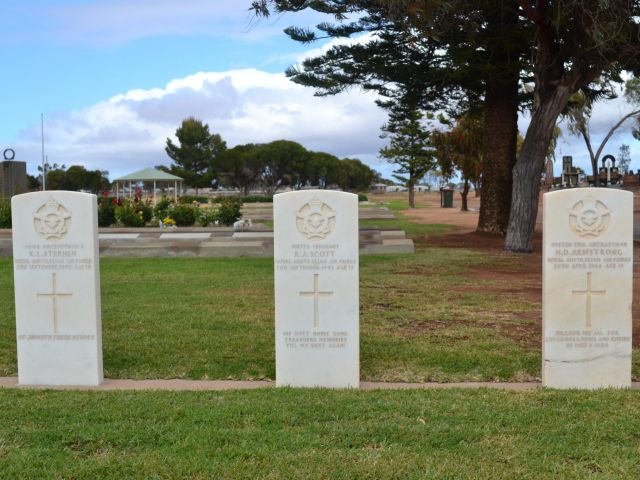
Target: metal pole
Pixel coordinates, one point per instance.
(44, 165)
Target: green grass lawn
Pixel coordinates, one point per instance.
(287, 434)
(413, 230)
(212, 318)
(416, 231)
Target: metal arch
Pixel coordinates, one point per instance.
(9, 154)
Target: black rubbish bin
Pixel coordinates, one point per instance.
(446, 198)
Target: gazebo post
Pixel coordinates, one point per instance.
(154, 193)
(175, 191)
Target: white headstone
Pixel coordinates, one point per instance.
(587, 288)
(316, 289)
(57, 288)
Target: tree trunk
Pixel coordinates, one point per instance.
(596, 174)
(500, 121)
(528, 168)
(412, 194)
(464, 194)
(594, 161)
(501, 131)
(477, 189)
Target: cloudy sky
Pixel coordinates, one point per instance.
(114, 79)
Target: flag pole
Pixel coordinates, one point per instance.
(44, 164)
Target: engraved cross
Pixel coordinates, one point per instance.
(588, 292)
(316, 294)
(54, 295)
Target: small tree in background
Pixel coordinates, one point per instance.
(408, 148)
(624, 159)
(79, 178)
(468, 136)
(193, 159)
(239, 168)
(75, 178)
(353, 175)
(461, 148)
(281, 163)
(323, 169)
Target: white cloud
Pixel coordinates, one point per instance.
(129, 131)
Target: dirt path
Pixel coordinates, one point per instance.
(429, 210)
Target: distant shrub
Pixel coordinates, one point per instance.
(229, 210)
(5, 214)
(146, 209)
(245, 199)
(183, 215)
(362, 197)
(161, 210)
(106, 211)
(133, 213)
(189, 199)
(127, 215)
(207, 216)
(257, 199)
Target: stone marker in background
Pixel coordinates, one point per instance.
(57, 288)
(316, 289)
(587, 288)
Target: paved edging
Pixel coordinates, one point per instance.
(220, 385)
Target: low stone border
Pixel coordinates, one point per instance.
(218, 242)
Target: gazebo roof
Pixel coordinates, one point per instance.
(148, 174)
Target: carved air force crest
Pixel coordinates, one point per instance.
(589, 218)
(315, 220)
(52, 220)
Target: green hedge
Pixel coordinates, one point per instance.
(5, 213)
(106, 211)
(133, 213)
(184, 215)
(188, 199)
(257, 199)
(229, 210)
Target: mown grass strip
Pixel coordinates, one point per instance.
(480, 434)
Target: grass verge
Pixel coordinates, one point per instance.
(283, 434)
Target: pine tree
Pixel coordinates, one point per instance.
(409, 148)
(457, 54)
(193, 159)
